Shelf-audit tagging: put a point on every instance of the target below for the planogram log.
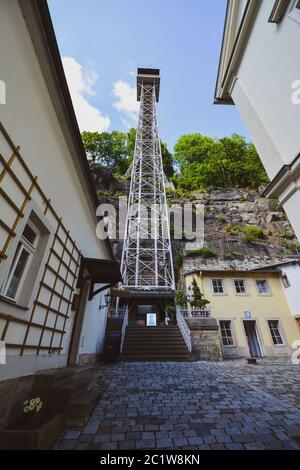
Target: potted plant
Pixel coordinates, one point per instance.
(33, 410)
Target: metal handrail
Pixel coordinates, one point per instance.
(196, 313)
(124, 325)
(184, 328)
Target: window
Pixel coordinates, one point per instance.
(275, 333)
(21, 261)
(218, 286)
(294, 11)
(262, 287)
(285, 281)
(240, 286)
(226, 334)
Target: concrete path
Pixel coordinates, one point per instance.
(193, 405)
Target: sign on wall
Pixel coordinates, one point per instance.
(151, 319)
(247, 314)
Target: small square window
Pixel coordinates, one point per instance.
(226, 334)
(262, 287)
(240, 286)
(275, 333)
(218, 286)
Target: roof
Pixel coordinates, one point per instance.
(233, 45)
(279, 263)
(148, 77)
(244, 272)
(38, 21)
(99, 271)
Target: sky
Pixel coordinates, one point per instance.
(103, 42)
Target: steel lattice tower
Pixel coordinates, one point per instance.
(147, 263)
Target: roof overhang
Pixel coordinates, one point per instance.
(148, 77)
(142, 294)
(233, 45)
(98, 271)
(232, 272)
(284, 184)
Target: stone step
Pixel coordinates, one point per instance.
(53, 377)
(156, 357)
(153, 347)
(154, 343)
(78, 410)
(67, 389)
(16, 437)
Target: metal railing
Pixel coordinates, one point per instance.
(124, 325)
(116, 312)
(185, 331)
(196, 313)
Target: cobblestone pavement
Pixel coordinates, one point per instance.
(193, 405)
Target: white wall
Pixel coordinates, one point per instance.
(269, 66)
(292, 293)
(94, 322)
(31, 122)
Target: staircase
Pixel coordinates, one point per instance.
(154, 343)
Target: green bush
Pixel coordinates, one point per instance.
(205, 252)
(221, 219)
(287, 233)
(252, 233)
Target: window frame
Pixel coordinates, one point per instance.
(245, 285)
(231, 333)
(279, 332)
(294, 11)
(263, 294)
(23, 245)
(223, 286)
(285, 280)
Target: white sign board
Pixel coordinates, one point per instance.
(247, 314)
(151, 319)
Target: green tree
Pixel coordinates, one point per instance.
(167, 157)
(197, 300)
(205, 162)
(108, 149)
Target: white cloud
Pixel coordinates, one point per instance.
(126, 102)
(81, 85)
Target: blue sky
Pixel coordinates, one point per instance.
(102, 43)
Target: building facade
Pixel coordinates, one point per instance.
(49, 250)
(259, 73)
(290, 275)
(251, 310)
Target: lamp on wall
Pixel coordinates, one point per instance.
(107, 298)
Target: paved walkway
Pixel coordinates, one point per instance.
(196, 405)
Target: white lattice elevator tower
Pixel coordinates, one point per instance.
(147, 265)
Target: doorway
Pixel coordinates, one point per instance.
(252, 338)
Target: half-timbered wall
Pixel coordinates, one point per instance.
(39, 161)
(43, 327)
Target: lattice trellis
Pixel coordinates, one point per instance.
(44, 327)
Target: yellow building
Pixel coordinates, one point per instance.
(251, 310)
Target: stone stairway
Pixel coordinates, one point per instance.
(155, 343)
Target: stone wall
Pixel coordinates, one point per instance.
(205, 339)
(12, 394)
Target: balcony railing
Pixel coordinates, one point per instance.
(116, 312)
(196, 313)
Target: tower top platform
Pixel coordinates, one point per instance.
(148, 77)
